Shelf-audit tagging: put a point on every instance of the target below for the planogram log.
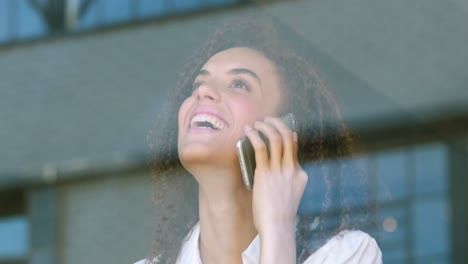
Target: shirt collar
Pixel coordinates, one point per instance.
(252, 254)
(190, 251)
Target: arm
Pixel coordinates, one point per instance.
(278, 246)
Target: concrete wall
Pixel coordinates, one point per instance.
(107, 220)
(93, 95)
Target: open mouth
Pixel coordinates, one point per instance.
(207, 121)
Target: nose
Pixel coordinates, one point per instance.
(206, 91)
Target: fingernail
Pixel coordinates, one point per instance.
(295, 137)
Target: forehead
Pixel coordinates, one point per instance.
(243, 57)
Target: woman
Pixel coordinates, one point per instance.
(245, 77)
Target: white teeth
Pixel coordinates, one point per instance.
(197, 120)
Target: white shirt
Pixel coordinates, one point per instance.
(349, 246)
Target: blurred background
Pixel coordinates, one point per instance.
(82, 80)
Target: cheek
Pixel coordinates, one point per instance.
(246, 110)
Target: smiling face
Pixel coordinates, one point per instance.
(234, 88)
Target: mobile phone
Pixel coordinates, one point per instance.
(246, 153)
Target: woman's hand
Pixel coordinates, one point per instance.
(279, 180)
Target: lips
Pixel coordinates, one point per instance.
(207, 121)
(207, 118)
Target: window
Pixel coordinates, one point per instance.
(26, 19)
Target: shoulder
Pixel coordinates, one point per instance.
(147, 261)
(349, 246)
(189, 251)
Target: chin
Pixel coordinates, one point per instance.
(197, 155)
(194, 155)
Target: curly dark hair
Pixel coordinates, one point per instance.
(323, 133)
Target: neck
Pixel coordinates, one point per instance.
(226, 219)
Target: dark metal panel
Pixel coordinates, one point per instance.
(458, 160)
(43, 216)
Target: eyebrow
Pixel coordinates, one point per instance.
(235, 71)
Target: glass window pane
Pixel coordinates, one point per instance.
(393, 226)
(355, 181)
(116, 11)
(394, 256)
(14, 237)
(3, 21)
(434, 259)
(431, 169)
(430, 226)
(313, 192)
(30, 23)
(217, 2)
(92, 17)
(391, 175)
(148, 8)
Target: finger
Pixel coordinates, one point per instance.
(275, 141)
(288, 140)
(295, 148)
(259, 146)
